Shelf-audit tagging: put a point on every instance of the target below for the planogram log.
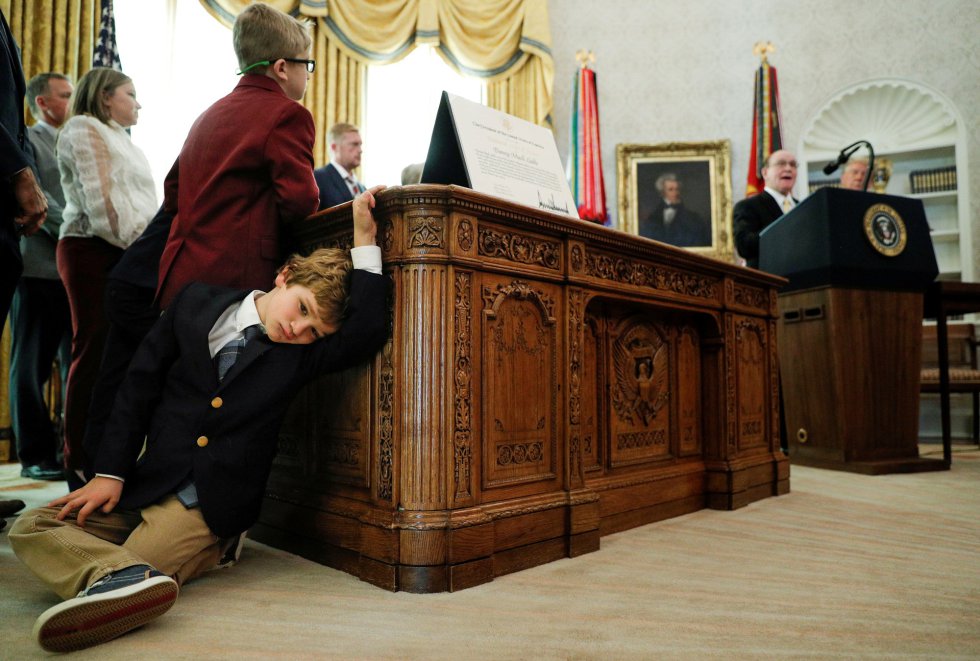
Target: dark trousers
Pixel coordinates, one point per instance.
(40, 325)
(131, 314)
(11, 264)
(84, 265)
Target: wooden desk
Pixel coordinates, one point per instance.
(547, 381)
(943, 299)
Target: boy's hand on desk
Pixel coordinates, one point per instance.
(100, 492)
(365, 228)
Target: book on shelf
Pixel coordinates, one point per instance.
(933, 180)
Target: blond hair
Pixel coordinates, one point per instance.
(93, 88)
(263, 33)
(338, 130)
(326, 273)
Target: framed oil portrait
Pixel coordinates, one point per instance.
(678, 193)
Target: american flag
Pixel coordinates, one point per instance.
(106, 51)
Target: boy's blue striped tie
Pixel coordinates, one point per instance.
(229, 353)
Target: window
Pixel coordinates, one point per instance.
(181, 61)
(176, 78)
(402, 100)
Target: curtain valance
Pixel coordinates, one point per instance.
(506, 42)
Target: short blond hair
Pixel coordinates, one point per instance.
(264, 33)
(326, 273)
(93, 88)
(338, 130)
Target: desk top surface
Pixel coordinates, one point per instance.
(951, 298)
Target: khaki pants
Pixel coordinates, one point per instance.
(69, 558)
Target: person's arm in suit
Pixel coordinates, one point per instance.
(52, 224)
(16, 163)
(747, 223)
(365, 328)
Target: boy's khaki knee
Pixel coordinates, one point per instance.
(67, 557)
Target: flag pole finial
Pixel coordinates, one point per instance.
(585, 57)
(763, 49)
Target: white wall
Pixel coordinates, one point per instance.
(672, 70)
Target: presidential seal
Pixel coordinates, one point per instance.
(885, 230)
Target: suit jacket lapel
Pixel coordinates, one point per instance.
(44, 137)
(775, 211)
(217, 302)
(339, 184)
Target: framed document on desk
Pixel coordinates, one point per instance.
(496, 154)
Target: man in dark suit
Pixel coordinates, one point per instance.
(671, 221)
(336, 179)
(754, 214)
(190, 444)
(23, 206)
(40, 317)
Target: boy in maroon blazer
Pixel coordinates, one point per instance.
(246, 166)
(189, 446)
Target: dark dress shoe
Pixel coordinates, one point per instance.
(42, 473)
(10, 507)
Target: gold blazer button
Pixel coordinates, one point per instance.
(202, 441)
(216, 403)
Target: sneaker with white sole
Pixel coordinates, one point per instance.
(116, 603)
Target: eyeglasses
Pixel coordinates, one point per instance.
(782, 164)
(310, 64)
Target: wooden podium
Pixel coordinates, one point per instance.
(547, 381)
(850, 328)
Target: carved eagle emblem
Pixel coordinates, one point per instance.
(642, 380)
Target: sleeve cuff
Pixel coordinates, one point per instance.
(111, 477)
(366, 258)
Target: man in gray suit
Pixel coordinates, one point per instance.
(39, 315)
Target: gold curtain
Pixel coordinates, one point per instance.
(505, 42)
(53, 35)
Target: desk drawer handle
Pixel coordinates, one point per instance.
(813, 313)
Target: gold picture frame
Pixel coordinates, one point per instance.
(703, 169)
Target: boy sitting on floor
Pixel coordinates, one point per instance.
(152, 519)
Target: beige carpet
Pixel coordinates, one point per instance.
(845, 567)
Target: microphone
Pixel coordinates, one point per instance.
(831, 167)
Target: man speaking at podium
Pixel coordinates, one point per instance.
(754, 214)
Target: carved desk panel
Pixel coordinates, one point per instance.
(547, 381)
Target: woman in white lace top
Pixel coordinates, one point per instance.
(109, 199)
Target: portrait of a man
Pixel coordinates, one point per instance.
(674, 204)
(678, 193)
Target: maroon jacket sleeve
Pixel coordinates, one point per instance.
(290, 152)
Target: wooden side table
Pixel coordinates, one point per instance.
(942, 299)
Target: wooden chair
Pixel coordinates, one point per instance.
(964, 371)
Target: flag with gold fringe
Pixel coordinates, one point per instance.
(106, 52)
(766, 127)
(584, 169)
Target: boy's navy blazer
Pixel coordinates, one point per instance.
(333, 189)
(223, 436)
